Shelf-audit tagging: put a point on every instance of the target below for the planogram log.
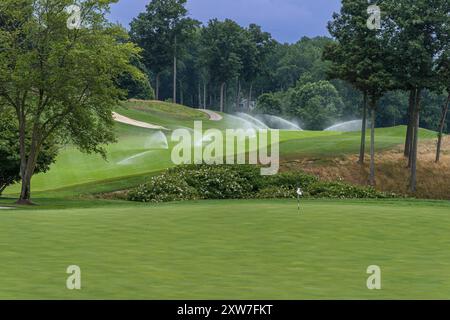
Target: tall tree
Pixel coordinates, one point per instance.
(10, 151)
(419, 32)
(137, 88)
(317, 104)
(222, 52)
(60, 81)
(360, 57)
(350, 43)
(162, 31)
(254, 54)
(444, 78)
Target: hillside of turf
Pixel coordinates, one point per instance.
(134, 157)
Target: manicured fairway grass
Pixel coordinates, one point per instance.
(73, 169)
(228, 250)
(137, 155)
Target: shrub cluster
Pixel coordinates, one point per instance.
(163, 188)
(344, 191)
(191, 182)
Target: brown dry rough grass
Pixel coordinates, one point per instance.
(392, 174)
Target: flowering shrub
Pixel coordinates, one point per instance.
(192, 182)
(344, 191)
(163, 188)
(292, 180)
(277, 193)
(221, 182)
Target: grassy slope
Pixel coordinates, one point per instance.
(75, 173)
(344, 143)
(228, 250)
(215, 249)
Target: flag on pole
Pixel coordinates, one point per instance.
(299, 194)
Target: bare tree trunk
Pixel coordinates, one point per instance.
(249, 96)
(174, 98)
(415, 142)
(413, 127)
(204, 95)
(27, 173)
(441, 128)
(181, 93)
(25, 193)
(408, 139)
(157, 85)
(175, 72)
(225, 97)
(222, 89)
(238, 94)
(372, 144)
(362, 149)
(2, 188)
(199, 96)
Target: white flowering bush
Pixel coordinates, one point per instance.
(163, 188)
(342, 190)
(221, 182)
(277, 193)
(192, 182)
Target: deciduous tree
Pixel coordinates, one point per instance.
(60, 82)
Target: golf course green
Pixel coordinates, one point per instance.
(227, 250)
(240, 249)
(138, 151)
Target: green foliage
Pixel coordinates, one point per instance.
(203, 181)
(359, 55)
(61, 82)
(256, 52)
(418, 39)
(162, 30)
(240, 182)
(223, 44)
(164, 188)
(289, 62)
(137, 88)
(344, 191)
(220, 182)
(291, 180)
(317, 104)
(269, 103)
(9, 152)
(282, 192)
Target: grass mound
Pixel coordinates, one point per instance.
(161, 113)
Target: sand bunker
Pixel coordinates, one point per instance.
(122, 119)
(213, 116)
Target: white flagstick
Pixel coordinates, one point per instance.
(299, 194)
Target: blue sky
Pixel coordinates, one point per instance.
(286, 20)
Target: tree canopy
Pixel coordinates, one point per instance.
(61, 81)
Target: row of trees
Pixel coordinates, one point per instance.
(410, 52)
(222, 65)
(59, 84)
(406, 56)
(211, 56)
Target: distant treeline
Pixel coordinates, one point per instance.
(223, 66)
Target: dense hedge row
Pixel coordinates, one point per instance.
(193, 182)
